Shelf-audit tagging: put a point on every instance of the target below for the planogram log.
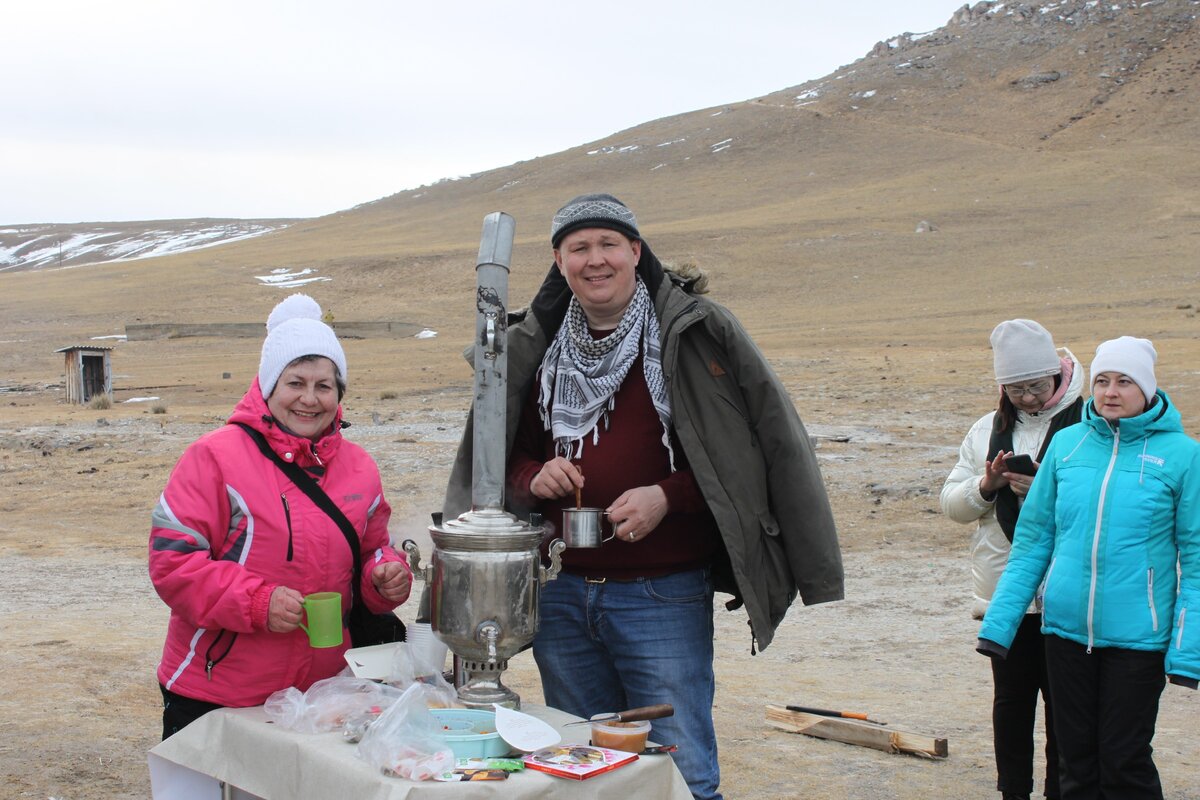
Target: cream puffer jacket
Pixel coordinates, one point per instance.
(962, 501)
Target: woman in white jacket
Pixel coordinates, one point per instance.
(1039, 393)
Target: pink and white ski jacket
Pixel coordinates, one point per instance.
(229, 528)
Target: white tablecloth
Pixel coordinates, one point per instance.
(239, 747)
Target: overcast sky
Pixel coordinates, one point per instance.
(155, 109)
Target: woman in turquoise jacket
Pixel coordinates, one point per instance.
(1110, 531)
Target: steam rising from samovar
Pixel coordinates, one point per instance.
(485, 575)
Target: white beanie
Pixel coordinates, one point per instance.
(1023, 350)
(1130, 356)
(295, 329)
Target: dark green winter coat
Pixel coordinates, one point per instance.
(747, 447)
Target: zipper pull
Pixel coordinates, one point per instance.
(208, 668)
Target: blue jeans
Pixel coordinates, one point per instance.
(623, 644)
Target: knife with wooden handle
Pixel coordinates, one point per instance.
(632, 715)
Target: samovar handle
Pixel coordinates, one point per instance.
(414, 560)
(551, 572)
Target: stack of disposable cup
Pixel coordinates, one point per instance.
(426, 649)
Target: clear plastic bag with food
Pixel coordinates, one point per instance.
(406, 740)
(328, 704)
(409, 668)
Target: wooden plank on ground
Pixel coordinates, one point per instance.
(852, 731)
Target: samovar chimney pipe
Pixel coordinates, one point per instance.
(485, 574)
(489, 444)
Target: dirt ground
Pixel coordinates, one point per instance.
(82, 627)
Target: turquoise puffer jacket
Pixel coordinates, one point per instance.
(1112, 524)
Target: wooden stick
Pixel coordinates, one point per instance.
(851, 731)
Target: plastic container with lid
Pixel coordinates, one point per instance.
(470, 732)
(627, 736)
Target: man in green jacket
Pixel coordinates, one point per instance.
(630, 391)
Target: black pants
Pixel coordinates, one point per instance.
(180, 711)
(1105, 707)
(1018, 680)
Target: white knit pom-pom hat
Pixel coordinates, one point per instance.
(295, 329)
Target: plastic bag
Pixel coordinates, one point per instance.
(407, 741)
(328, 704)
(408, 669)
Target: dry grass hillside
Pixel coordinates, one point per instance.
(1071, 200)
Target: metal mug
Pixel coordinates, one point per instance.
(584, 527)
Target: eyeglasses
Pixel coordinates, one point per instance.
(1017, 392)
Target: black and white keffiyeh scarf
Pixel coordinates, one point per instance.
(580, 375)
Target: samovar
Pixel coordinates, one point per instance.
(484, 577)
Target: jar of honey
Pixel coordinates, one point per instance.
(627, 736)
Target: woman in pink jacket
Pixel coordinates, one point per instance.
(235, 546)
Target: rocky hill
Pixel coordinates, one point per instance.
(25, 247)
(1039, 145)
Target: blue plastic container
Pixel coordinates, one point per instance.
(470, 732)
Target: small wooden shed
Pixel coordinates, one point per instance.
(89, 372)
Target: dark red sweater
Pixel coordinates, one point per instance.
(628, 454)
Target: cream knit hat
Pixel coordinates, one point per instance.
(295, 329)
(1023, 350)
(1129, 356)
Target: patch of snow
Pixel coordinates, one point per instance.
(610, 149)
(119, 336)
(657, 166)
(717, 114)
(426, 334)
(810, 94)
(286, 279)
(141, 399)
(724, 144)
(48, 246)
(673, 141)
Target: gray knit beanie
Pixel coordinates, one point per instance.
(294, 330)
(1023, 350)
(1130, 356)
(593, 211)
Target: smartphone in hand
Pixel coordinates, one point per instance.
(1020, 464)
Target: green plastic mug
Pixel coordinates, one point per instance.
(324, 612)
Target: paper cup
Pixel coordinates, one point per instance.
(427, 650)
